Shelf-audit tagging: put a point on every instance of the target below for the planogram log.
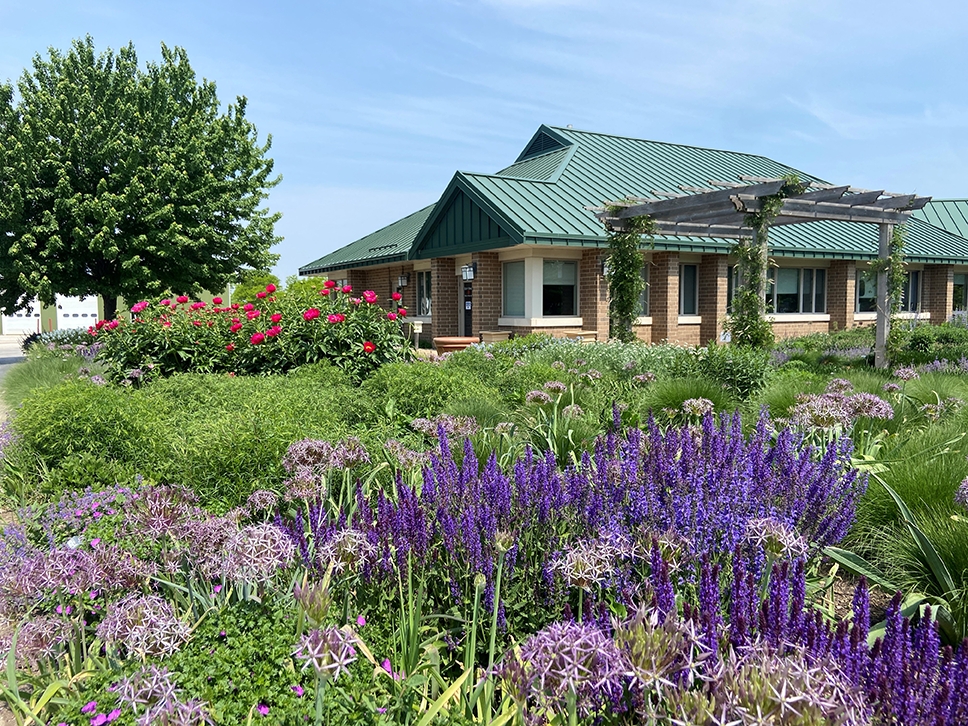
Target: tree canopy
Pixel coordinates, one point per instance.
(118, 181)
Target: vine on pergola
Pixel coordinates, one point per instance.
(624, 274)
(747, 321)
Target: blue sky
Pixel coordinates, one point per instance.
(372, 106)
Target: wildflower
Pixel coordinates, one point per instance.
(298, 690)
(145, 625)
(257, 339)
(559, 365)
(369, 296)
(216, 301)
(360, 621)
(311, 314)
(347, 551)
(262, 500)
(89, 707)
(182, 299)
(589, 562)
(870, 406)
(368, 347)
(276, 317)
(328, 651)
(391, 316)
(556, 386)
(839, 385)
(906, 374)
(270, 288)
(537, 397)
(135, 373)
(348, 453)
(644, 378)
(98, 380)
(775, 537)
(396, 296)
(256, 553)
(592, 374)
(630, 366)
(697, 407)
(572, 411)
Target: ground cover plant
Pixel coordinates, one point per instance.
(534, 531)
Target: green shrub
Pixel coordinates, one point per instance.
(669, 393)
(422, 389)
(739, 369)
(44, 371)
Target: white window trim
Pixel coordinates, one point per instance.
(865, 317)
(798, 317)
(560, 321)
(643, 320)
(690, 319)
(534, 295)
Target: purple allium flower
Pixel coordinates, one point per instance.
(572, 411)
(555, 386)
(314, 599)
(145, 625)
(630, 366)
(839, 385)
(592, 374)
(590, 562)
(453, 426)
(256, 553)
(564, 661)
(775, 537)
(823, 411)
(504, 427)
(870, 406)
(643, 378)
(961, 493)
(697, 407)
(559, 365)
(407, 458)
(891, 387)
(98, 380)
(262, 500)
(329, 651)
(346, 552)
(148, 687)
(906, 374)
(135, 373)
(537, 397)
(349, 453)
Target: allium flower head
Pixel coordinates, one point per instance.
(697, 407)
(348, 453)
(147, 687)
(572, 411)
(347, 551)
(824, 411)
(145, 625)
(328, 651)
(776, 538)
(459, 427)
(537, 397)
(565, 659)
(38, 640)
(406, 457)
(870, 406)
(961, 493)
(891, 387)
(257, 552)
(314, 598)
(555, 386)
(839, 385)
(589, 562)
(906, 374)
(262, 500)
(662, 655)
(643, 378)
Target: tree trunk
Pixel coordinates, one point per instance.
(110, 307)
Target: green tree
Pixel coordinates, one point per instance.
(123, 182)
(252, 282)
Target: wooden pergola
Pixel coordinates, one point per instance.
(721, 210)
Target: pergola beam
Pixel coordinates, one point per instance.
(666, 208)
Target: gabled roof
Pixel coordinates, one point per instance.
(542, 197)
(949, 214)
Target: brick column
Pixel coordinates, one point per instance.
(356, 278)
(937, 292)
(713, 272)
(841, 294)
(444, 290)
(593, 294)
(486, 304)
(664, 303)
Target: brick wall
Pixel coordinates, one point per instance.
(593, 293)
(792, 330)
(841, 294)
(937, 291)
(486, 301)
(664, 296)
(444, 286)
(687, 335)
(643, 333)
(357, 278)
(713, 271)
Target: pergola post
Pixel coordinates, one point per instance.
(762, 247)
(885, 231)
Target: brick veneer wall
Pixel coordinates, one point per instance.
(486, 291)
(444, 287)
(713, 271)
(792, 330)
(937, 290)
(643, 333)
(841, 294)
(687, 335)
(664, 296)
(593, 294)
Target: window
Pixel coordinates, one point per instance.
(797, 290)
(911, 292)
(866, 292)
(513, 279)
(644, 297)
(688, 289)
(960, 298)
(559, 288)
(423, 293)
(732, 285)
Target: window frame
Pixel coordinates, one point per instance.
(574, 286)
(504, 289)
(424, 283)
(816, 274)
(682, 290)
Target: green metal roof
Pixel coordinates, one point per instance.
(541, 199)
(949, 214)
(389, 244)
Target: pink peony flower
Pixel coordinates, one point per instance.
(257, 339)
(402, 312)
(198, 305)
(260, 295)
(324, 292)
(276, 317)
(335, 318)
(166, 302)
(249, 306)
(196, 323)
(236, 328)
(216, 301)
(396, 296)
(391, 316)
(253, 314)
(181, 299)
(138, 307)
(270, 288)
(368, 347)
(347, 288)
(230, 347)
(355, 300)
(330, 283)
(369, 296)
(273, 331)
(311, 314)
(235, 306)
(112, 324)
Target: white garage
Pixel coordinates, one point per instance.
(24, 322)
(76, 312)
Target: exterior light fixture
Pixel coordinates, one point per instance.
(403, 280)
(467, 272)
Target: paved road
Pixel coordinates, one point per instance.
(9, 352)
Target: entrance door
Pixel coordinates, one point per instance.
(468, 312)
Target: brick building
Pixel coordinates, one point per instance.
(520, 251)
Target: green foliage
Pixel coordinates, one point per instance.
(928, 343)
(624, 275)
(121, 182)
(45, 369)
(740, 370)
(422, 389)
(664, 397)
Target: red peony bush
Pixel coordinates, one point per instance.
(281, 331)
